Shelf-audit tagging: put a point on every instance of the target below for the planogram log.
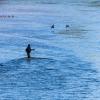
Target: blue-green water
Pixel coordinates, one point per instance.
(65, 64)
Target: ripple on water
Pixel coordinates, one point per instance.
(69, 78)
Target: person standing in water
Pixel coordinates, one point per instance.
(28, 51)
(67, 26)
(53, 26)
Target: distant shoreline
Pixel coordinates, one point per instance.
(7, 16)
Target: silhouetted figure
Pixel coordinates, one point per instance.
(67, 27)
(53, 26)
(28, 51)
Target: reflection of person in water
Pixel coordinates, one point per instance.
(28, 51)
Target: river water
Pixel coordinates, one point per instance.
(65, 63)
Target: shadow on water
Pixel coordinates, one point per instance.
(17, 63)
(69, 78)
(95, 3)
(74, 32)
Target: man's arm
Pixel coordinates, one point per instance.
(32, 49)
